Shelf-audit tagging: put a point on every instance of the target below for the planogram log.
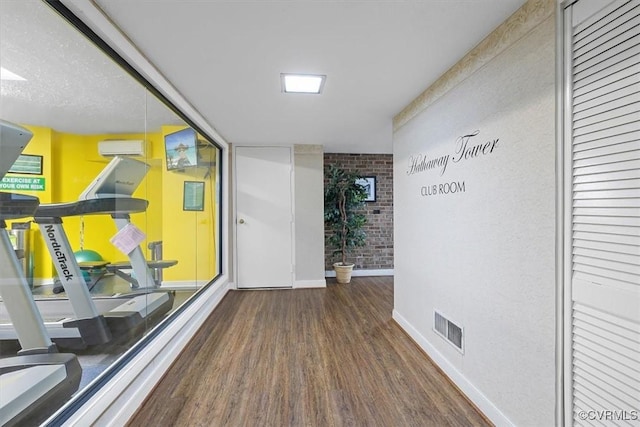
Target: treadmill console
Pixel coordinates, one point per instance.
(120, 178)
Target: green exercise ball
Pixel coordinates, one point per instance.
(86, 255)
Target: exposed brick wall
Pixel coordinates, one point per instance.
(378, 250)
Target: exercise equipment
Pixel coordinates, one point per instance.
(87, 256)
(20, 236)
(93, 269)
(39, 379)
(81, 320)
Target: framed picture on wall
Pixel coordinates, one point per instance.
(193, 196)
(27, 164)
(369, 184)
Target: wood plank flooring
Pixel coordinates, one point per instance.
(306, 357)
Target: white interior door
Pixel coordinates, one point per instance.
(602, 370)
(264, 218)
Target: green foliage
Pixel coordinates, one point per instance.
(343, 201)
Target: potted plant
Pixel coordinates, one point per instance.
(343, 201)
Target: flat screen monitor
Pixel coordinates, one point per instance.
(181, 149)
(13, 139)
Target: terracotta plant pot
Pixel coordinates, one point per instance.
(343, 272)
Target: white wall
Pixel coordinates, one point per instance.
(485, 256)
(309, 216)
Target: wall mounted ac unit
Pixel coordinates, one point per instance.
(122, 147)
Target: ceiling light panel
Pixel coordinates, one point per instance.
(8, 75)
(302, 83)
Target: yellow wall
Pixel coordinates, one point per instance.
(71, 162)
(78, 164)
(188, 236)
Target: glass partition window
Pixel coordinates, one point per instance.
(108, 211)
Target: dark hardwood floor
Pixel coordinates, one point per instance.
(307, 357)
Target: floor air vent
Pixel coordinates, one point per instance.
(448, 330)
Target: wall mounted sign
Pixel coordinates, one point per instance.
(193, 197)
(463, 151)
(466, 148)
(22, 183)
(27, 164)
(443, 188)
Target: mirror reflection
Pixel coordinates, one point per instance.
(108, 208)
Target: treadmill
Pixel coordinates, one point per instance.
(82, 319)
(39, 380)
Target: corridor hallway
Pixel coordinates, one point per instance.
(306, 357)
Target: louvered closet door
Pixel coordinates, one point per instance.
(605, 288)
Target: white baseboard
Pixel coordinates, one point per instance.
(361, 272)
(300, 284)
(473, 394)
(118, 400)
(183, 284)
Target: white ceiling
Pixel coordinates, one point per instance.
(70, 85)
(226, 57)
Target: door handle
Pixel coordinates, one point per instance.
(241, 221)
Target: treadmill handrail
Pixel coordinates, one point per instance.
(15, 206)
(111, 205)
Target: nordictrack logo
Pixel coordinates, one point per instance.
(58, 254)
